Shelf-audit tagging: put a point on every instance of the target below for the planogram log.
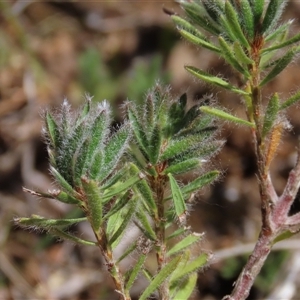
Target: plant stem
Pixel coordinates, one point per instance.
(112, 267)
(252, 268)
(158, 185)
(274, 209)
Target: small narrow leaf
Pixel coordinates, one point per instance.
(176, 233)
(155, 144)
(212, 10)
(119, 204)
(290, 101)
(114, 151)
(270, 114)
(127, 252)
(183, 244)
(138, 130)
(62, 182)
(41, 222)
(198, 41)
(229, 56)
(55, 194)
(67, 236)
(225, 116)
(241, 55)
(146, 226)
(194, 12)
(134, 272)
(281, 30)
(52, 130)
(121, 229)
(84, 111)
(119, 187)
(99, 131)
(187, 26)
(64, 197)
(145, 191)
(160, 278)
(248, 18)
(294, 39)
(257, 8)
(232, 19)
(200, 182)
(214, 80)
(186, 287)
(178, 200)
(190, 267)
(270, 15)
(280, 66)
(183, 167)
(94, 202)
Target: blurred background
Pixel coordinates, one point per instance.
(116, 50)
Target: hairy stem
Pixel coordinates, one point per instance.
(158, 185)
(112, 267)
(252, 268)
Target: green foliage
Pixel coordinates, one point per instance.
(128, 176)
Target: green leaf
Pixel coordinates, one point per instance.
(118, 204)
(190, 267)
(200, 182)
(98, 133)
(64, 197)
(186, 287)
(247, 18)
(128, 251)
(183, 167)
(290, 101)
(178, 146)
(183, 244)
(67, 236)
(126, 218)
(41, 222)
(272, 14)
(56, 194)
(94, 202)
(212, 10)
(198, 41)
(294, 39)
(279, 31)
(194, 12)
(187, 26)
(178, 200)
(84, 111)
(257, 8)
(134, 272)
(138, 130)
(233, 21)
(145, 191)
(279, 66)
(176, 233)
(62, 182)
(160, 278)
(226, 116)
(229, 56)
(146, 226)
(155, 144)
(270, 114)
(285, 235)
(114, 151)
(120, 187)
(241, 55)
(52, 130)
(214, 80)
